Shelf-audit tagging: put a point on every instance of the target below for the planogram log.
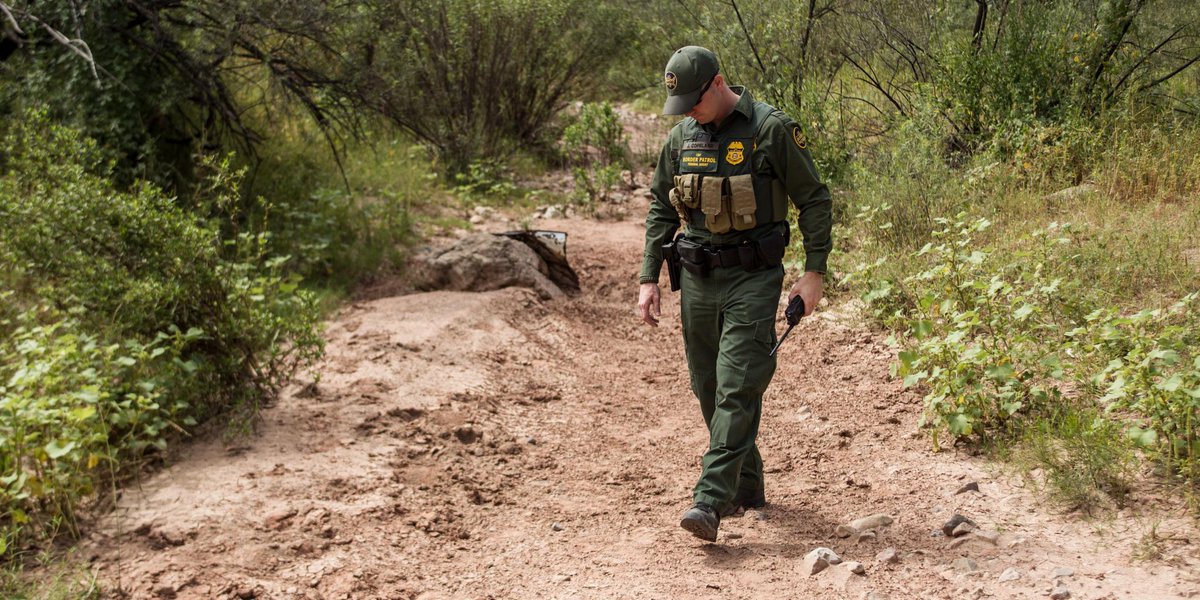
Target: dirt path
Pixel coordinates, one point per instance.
(490, 445)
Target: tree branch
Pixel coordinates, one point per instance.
(749, 40)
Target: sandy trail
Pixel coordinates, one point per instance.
(490, 445)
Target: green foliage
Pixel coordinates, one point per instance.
(337, 236)
(984, 332)
(1154, 373)
(485, 181)
(1003, 341)
(473, 79)
(596, 151)
(1086, 462)
(124, 319)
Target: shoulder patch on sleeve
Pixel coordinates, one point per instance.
(799, 137)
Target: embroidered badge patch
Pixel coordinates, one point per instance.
(671, 80)
(798, 136)
(735, 153)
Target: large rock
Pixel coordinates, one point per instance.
(483, 262)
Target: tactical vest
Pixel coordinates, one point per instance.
(718, 170)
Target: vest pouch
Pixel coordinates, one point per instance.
(714, 205)
(689, 189)
(677, 204)
(742, 202)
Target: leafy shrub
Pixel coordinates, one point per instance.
(483, 181)
(1006, 342)
(596, 151)
(124, 318)
(984, 333)
(338, 230)
(474, 79)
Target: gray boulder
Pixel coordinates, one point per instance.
(483, 262)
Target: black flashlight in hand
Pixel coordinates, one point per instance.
(793, 312)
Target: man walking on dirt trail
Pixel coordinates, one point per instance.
(725, 174)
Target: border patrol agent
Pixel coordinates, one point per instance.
(725, 174)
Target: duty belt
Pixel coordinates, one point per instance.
(699, 259)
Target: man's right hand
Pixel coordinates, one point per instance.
(649, 304)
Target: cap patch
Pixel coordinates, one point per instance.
(798, 136)
(671, 80)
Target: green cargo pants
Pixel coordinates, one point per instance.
(728, 332)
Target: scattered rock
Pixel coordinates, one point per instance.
(1009, 574)
(871, 522)
(1060, 593)
(855, 567)
(314, 518)
(887, 555)
(278, 519)
(990, 536)
(844, 531)
(466, 434)
(963, 529)
(970, 487)
(818, 560)
(552, 212)
(1063, 572)
(965, 565)
(556, 527)
(951, 526)
(165, 591)
(866, 536)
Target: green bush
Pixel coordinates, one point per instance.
(479, 80)
(338, 232)
(596, 151)
(124, 319)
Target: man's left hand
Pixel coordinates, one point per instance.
(811, 288)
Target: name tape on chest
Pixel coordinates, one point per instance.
(698, 161)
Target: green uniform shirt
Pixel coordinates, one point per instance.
(781, 154)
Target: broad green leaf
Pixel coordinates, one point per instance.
(1171, 384)
(960, 424)
(1001, 372)
(915, 378)
(1024, 311)
(1168, 356)
(83, 413)
(922, 328)
(56, 451)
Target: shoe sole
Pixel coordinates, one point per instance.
(699, 529)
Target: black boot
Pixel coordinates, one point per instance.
(702, 521)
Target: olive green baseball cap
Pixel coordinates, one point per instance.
(689, 72)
